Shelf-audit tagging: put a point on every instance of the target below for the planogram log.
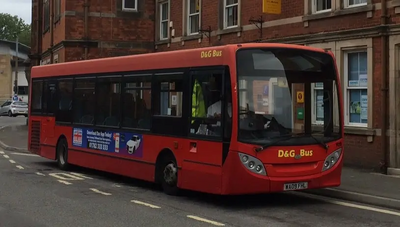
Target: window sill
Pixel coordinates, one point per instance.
(191, 37)
(341, 12)
(395, 3)
(161, 42)
(229, 30)
(359, 131)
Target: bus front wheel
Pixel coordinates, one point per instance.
(169, 175)
(62, 154)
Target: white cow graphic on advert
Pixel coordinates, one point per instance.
(133, 144)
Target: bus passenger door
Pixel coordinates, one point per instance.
(202, 165)
(50, 106)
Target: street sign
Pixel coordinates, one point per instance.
(272, 6)
(300, 97)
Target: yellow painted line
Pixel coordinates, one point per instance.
(12, 161)
(40, 174)
(145, 204)
(100, 192)
(206, 220)
(64, 182)
(20, 167)
(353, 205)
(6, 156)
(80, 175)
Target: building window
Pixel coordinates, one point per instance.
(231, 13)
(193, 16)
(46, 15)
(129, 5)
(57, 10)
(164, 20)
(318, 101)
(354, 3)
(320, 6)
(356, 84)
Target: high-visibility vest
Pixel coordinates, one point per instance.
(198, 106)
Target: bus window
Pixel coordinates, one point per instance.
(169, 99)
(36, 100)
(64, 113)
(84, 100)
(108, 101)
(206, 103)
(137, 101)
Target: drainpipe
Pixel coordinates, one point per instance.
(384, 88)
(39, 32)
(86, 37)
(51, 32)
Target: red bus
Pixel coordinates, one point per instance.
(233, 119)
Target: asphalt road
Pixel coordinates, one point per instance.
(34, 193)
(5, 120)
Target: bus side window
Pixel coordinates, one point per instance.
(64, 113)
(84, 101)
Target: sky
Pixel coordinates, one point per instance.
(21, 8)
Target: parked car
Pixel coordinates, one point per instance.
(14, 108)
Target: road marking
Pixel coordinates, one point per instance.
(25, 154)
(1, 152)
(12, 161)
(100, 192)
(352, 205)
(65, 176)
(81, 175)
(145, 204)
(206, 220)
(20, 167)
(64, 182)
(40, 174)
(116, 185)
(6, 156)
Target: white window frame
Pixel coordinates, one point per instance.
(314, 104)
(346, 99)
(189, 15)
(129, 9)
(314, 7)
(226, 15)
(163, 21)
(347, 4)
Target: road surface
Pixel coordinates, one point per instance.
(35, 193)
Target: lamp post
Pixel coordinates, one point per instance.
(16, 66)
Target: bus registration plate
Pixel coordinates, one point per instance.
(295, 186)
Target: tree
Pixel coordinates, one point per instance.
(10, 26)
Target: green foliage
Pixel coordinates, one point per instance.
(10, 26)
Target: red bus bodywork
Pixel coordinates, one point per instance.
(203, 170)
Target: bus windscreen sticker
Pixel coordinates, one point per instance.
(108, 141)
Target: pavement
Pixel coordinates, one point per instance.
(358, 185)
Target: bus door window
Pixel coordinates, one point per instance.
(137, 101)
(64, 113)
(108, 101)
(84, 100)
(206, 103)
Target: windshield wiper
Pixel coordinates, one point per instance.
(278, 139)
(320, 142)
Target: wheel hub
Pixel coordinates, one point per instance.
(170, 174)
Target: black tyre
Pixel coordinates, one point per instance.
(10, 114)
(169, 175)
(62, 154)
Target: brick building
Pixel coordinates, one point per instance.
(363, 35)
(85, 29)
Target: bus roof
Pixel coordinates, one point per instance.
(153, 61)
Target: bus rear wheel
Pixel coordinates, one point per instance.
(62, 154)
(169, 175)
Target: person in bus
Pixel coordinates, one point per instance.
(215, 109)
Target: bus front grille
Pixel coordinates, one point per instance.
(35, 137)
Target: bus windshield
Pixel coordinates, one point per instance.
(287, 97)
